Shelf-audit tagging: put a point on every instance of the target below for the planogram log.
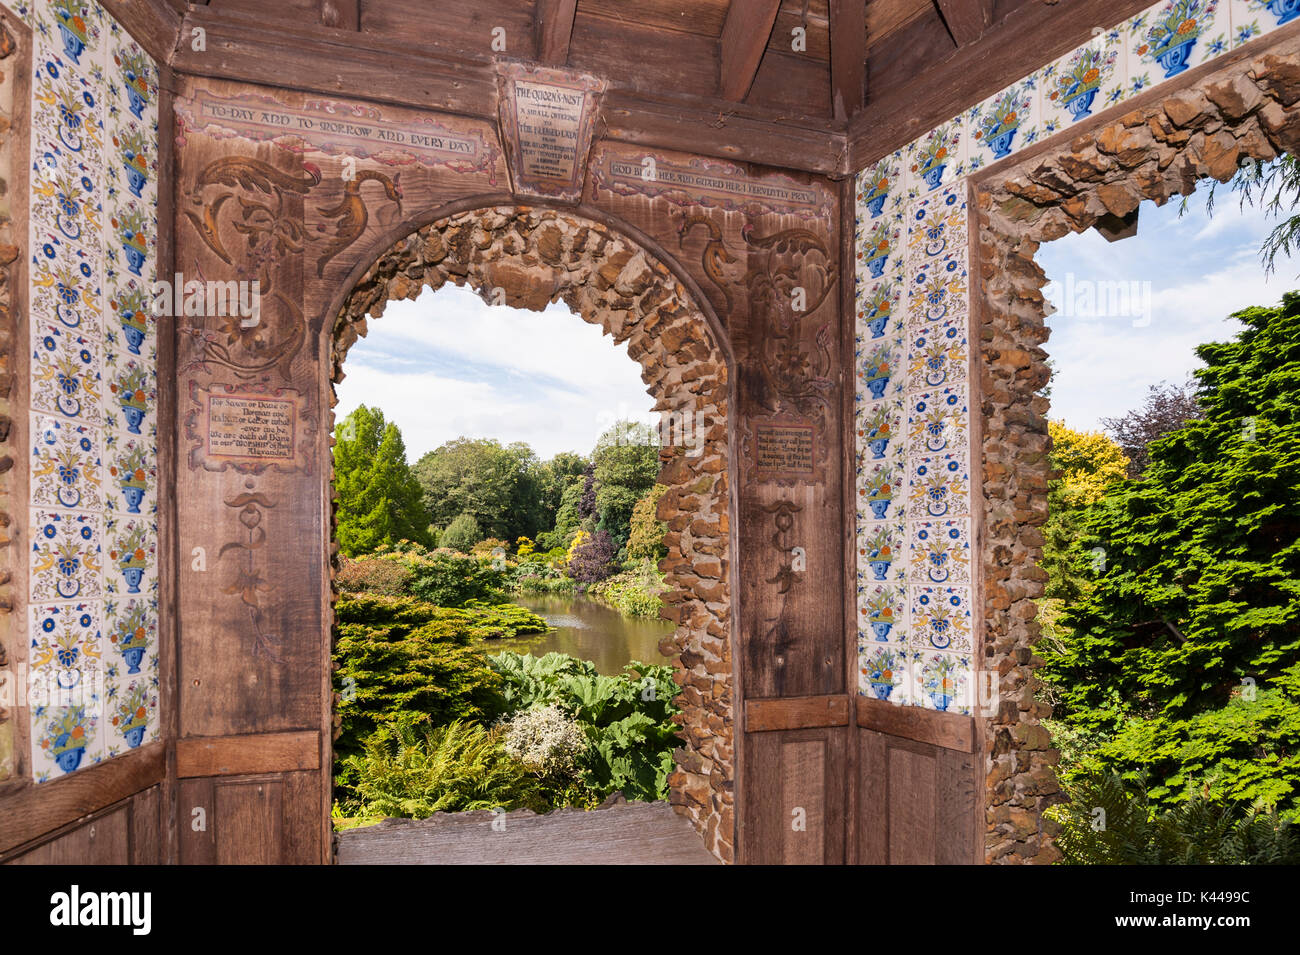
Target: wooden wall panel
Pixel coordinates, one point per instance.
(250, 820)
(918, 804)
(791, 779)
(128, 833)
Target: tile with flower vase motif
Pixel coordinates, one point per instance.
(132, 627)
(130, 474)
(1174, 36)
(66, 558)
(882, 552)
(65, 373)
(880, 246)
(937, 291)
(1085, 81)
(942, 681)
(881, 488)
(71, 29)
(937, 158)
(880, 431)
(1253, 18)
(66, 654)
(130, 711)
(878, 189)
(880, 368)
(938, 354)
(938, 485)
(941, 618)
(938, 421)
(66, 464)
(65, 739)
(884, 673)
(131, 399)
(939, 552)
(1005, 123)
(131, 241)
(879, 307)
(132, 327)
(882, 614)
(130, 555)
(936, 226)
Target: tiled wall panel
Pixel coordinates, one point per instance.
(913, 412)
(92, 612)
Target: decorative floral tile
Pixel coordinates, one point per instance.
(73, 293)
(936, 226)
(938, 421)
(879, 248)
(941, 681)
(882, 615)
(65, 656)
(875, 186)
(937, 158)
(937, 290)
(880, 431)
(1253, 18)
(938, 354)
(130, 556)
(882, 552)
(131, 324)
(65, 373)
(1171, 37)
(1005, 123)
(131, 711)
(884, 673)
(881, 489)
(940, 552)
(131, 404)
(941, 618)
(879, 308)
(131, 474)
(65, 739)
(881, 368)
(939, 486)
(132, 627)
(65, 555)
(1086, 81)
(66, 461)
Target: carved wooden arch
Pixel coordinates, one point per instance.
(528, 257)
(1246, 107)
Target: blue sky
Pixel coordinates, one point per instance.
(1200, 270)
(448, 365)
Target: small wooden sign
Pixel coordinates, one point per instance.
(547, 116)
(695, 180)
(248, 430)
(785, 449)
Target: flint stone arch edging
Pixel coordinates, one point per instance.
(1247, 108)
(529, 257)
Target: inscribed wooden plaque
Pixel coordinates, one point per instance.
(546, 122)
(247, 429)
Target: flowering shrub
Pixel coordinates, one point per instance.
(546, 740)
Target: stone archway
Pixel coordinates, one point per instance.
(527, 258)
(1247, 108)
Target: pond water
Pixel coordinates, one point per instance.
(590, 631)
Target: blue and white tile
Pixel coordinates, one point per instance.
(939, 552)
(66, 464)
(1005, 123)
(130, 556)
(65, 562)
(938, 486)
(1251, 19)
(936, 159)
(1085, 81)
(938, 354)
(1172, 37)
(884, 673)
(941, 681)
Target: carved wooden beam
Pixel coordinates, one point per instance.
(966, 20)
(555, 29)
(744, 39)
(848, 29)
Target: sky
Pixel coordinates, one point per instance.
(1200, 269)
(448, 365)
(1129, 315)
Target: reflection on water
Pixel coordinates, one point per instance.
(590, 631)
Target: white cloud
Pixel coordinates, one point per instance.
(448, 365)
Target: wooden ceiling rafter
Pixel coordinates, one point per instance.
(555, 19)
(745, 35)
(848, 33)
(966, 20)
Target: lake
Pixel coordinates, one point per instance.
(590, 631)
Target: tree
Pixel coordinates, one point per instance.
(646, 536)
(462, 533)
(378, 497)
(498, 486)
(626, 463)
(1166, 408)
(593, 559)
(1276, 187)
(1188, 642)
(1087, 466)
